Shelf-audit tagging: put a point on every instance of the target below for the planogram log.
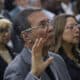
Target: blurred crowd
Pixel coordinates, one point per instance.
(32, 29)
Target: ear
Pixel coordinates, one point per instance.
(24, 35)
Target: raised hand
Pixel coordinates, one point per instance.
(38, 65)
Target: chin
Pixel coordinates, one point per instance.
(75, 42)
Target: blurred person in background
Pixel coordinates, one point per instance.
(52, 6)
(9, 5)
(67, 7)
(77, 10)
(6, 54)
(4, 12)
(20, 6)
(66, 38)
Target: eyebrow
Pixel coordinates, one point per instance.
(43, 21)
(29, 29)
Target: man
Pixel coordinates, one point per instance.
(35, 62)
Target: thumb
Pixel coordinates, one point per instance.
(48, 61)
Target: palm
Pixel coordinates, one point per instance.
(38, 65)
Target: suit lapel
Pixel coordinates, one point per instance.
(26, 55)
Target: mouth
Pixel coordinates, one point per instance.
(51, 35)
(76, 38)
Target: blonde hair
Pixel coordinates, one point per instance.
(5, 23)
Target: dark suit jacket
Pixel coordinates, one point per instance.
(20, 68)
(6, 14)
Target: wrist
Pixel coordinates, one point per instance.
(36, 73)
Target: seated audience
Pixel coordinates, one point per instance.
(36, 61)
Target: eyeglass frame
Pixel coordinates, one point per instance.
(48, 23)
(72, 26)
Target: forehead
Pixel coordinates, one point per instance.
(71, 20)
(36, 17)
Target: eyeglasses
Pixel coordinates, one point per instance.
(42, 24)
(72, 26)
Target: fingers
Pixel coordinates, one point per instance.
(35, 44)
(39, 43)
(48, 61)
(37, 49)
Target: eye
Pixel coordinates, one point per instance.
(71, 26)
(42, 25)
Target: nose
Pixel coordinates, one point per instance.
(76, 29)
(7, 35)
(50, 28)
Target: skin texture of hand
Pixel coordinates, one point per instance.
(38, 65)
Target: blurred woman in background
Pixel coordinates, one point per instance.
(66, 38)
(6, 55)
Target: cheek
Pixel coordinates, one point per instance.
(7, 36)
(67, 36)
(39, 33)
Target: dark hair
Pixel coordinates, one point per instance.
(78, 6)
(21, 22)
(43, 1)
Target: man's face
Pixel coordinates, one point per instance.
(41, 27)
